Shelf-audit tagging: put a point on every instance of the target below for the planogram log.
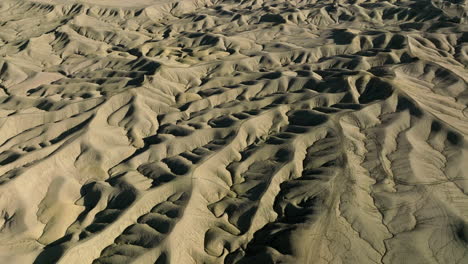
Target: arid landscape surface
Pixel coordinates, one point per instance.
(248, 131)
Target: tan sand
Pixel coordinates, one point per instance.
(233, 131)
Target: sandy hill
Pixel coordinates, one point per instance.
(233, 131)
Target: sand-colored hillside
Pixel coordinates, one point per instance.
(233, 131)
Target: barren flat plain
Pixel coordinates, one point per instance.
(233, 131)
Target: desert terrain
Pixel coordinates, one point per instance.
(233, 131)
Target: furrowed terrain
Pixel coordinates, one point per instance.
(223, 131)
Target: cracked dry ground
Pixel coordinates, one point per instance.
(233, 132)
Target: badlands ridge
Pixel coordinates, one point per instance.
(223, 131)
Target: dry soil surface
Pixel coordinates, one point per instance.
(222, 131)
